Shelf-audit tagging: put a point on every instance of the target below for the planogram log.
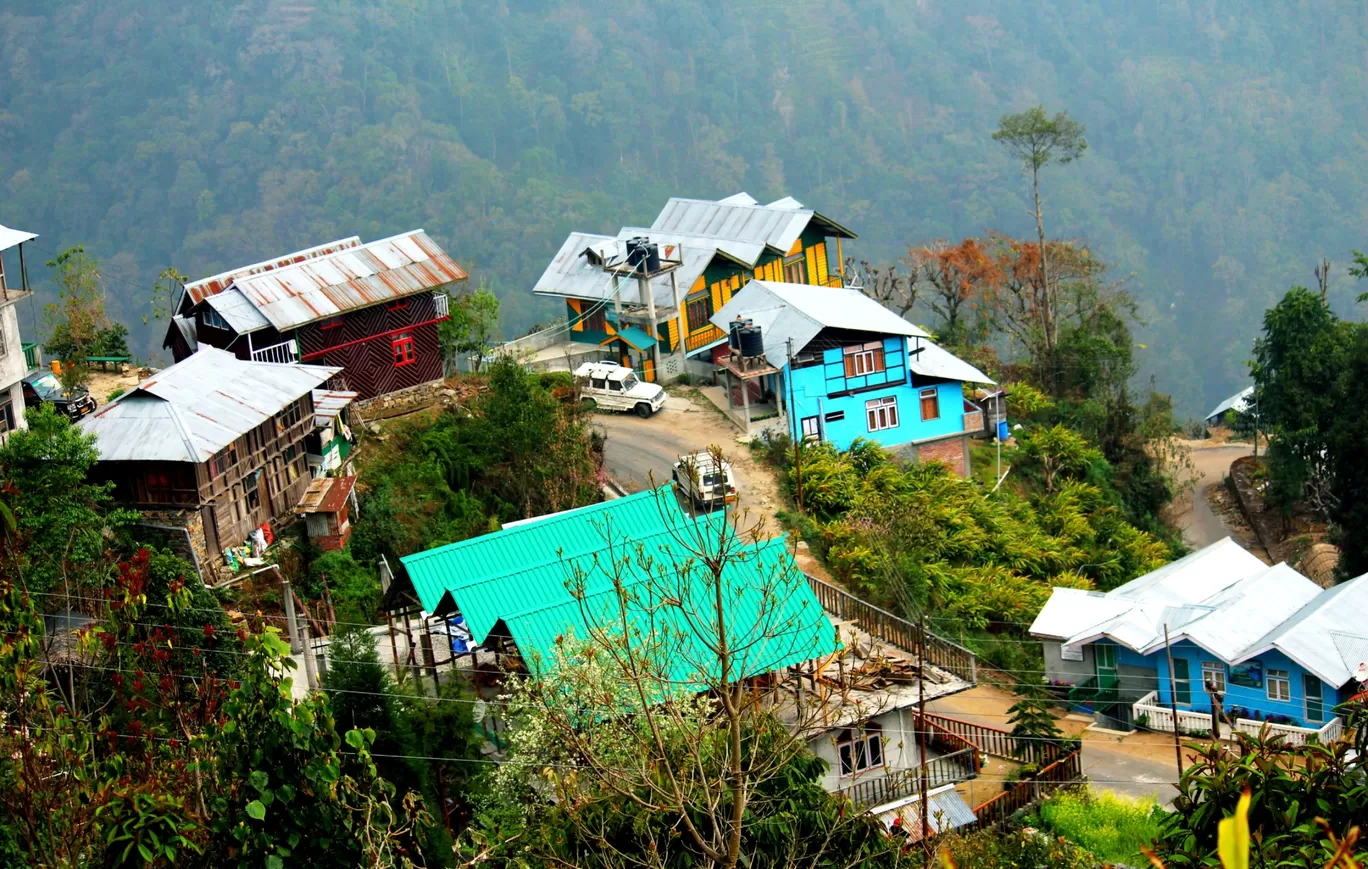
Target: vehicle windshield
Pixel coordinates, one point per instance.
(629, 383)
(48, 386)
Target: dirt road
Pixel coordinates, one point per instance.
(1201, 525)
(640, 450)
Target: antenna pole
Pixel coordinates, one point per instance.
(1173, 703)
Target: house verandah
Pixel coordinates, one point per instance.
(1280, 652)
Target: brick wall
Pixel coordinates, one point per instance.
(952, 451)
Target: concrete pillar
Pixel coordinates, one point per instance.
(291, 620)
(644, 288)
(310, 665)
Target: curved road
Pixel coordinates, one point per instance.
(1200, 524)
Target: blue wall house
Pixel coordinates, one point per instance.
(837, 366)
(1278, 649)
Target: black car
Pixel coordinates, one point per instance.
(44, 387)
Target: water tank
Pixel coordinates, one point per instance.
(636, 251)
(751, 344)
(733, 333)
(652, 258)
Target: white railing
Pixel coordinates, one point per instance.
(1159, 717)
(283, 353)
(1326, 734)
(443, 303)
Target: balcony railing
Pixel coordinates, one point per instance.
(945, 770)
(33, 355)
(283, 353)
(901, 633)
(1327, 733)
(704, 338)
(1156, 716)
(1097, 692)
(443, 303)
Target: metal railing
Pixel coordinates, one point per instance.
(285, 352)
(899, 632)
(443, 303)
(945, 770)
(33, 355)
(1324, 735)
(1100, 692)
(1065, 772)
(994, 740)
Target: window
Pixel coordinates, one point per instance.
(795, 272)
(1213, 677)
(1279, 685)
(615, 386)
(7, 415)
(835, 416)
(223, 460)
(594, 319)
(290, 416)
(331, 322)
(882, 413)
(213, 318)
(404, 353)
(930, 404)
(860, 750)
(598, 383)
(811, 431)
(291, 468)
(864, 359)
(700, 310)
(397, 305)
(169, 486)
(252, 488)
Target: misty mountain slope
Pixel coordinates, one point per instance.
(1228, 141)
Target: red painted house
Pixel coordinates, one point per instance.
(371, 308)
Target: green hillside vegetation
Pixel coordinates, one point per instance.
(1227, 145)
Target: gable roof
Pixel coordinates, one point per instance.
(932, 360)
(11, 237)
(238, 311)
(1226, 601)
(777, 225)
(440, 572)
(799, 312)
(202, 289)
(773, 618)
(1327, 635)
(193, 409)
(1239, 402)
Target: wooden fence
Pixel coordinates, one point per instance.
(1065, 772)
(899, 632)
(994, 740)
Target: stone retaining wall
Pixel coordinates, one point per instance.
(1267, 524)
(404, 400)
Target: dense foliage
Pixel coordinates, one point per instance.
(1226, 140)
(1114, 828)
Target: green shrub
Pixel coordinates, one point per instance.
(991, 849)
(1113, 828)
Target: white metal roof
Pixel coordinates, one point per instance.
(1243, 613)
(935, 361)
(799, 312)
(1070, 610)
(570, 273)
(1326, 635)
(328, 403)
(11, 237)
(777, 226)
(240, 313)
(193, 409)
(1239, 402)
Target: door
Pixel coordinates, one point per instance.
(1104, 659)
(1182, 682)
(1315, 706)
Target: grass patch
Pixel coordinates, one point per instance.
(1113, 828)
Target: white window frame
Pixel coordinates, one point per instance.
(8, 421)
(1278, 677)
(215, 319)
(811, 427)
(1214, 671)
(881, 414)
(865, 360)
(856, 755)
(922, 395)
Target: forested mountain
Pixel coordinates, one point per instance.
(1227, 140)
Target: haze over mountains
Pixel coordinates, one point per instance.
(1228, 140)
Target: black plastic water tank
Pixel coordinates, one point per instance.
(652, 258)
(636, 251)
(751, 343)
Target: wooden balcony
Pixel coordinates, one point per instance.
(698, 340)
(896, 784)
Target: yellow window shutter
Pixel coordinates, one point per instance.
(820, 255)
(717, 299)
(813, 276)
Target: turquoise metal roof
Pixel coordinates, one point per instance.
(773, 618)
(637, 338)
(437, 573)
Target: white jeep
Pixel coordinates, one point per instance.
(610, 386)
(701, 480)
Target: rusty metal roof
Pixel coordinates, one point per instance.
(202, 289)
(325, 286)
(328, 403)
(195, 408)
(238, 311)
(326, 495)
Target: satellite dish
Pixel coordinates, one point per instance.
(1361, 672)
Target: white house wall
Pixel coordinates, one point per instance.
(900, 750)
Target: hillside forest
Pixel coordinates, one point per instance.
(1226, 141)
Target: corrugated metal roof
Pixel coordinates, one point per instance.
(1318, 634)
(11, 237)
(1239, 402)
(1241, 614)
(777, 226)
(800, 311)
(438, 572)
(240, 313)
(936, 361)
(193, 409)
(326, 495)
(773, 620)
(328, 403)
(945, 809)
(570, 273)
(325, 286)
(205, 287)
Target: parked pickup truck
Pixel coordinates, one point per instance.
(615, 387)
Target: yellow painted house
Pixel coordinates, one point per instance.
(648, 293)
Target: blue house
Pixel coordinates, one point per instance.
(832, 364)
(1279, 650)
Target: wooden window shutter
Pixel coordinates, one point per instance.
(850, 365)
(878, 359)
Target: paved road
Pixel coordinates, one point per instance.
(1122, 769)
(1202, 526)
